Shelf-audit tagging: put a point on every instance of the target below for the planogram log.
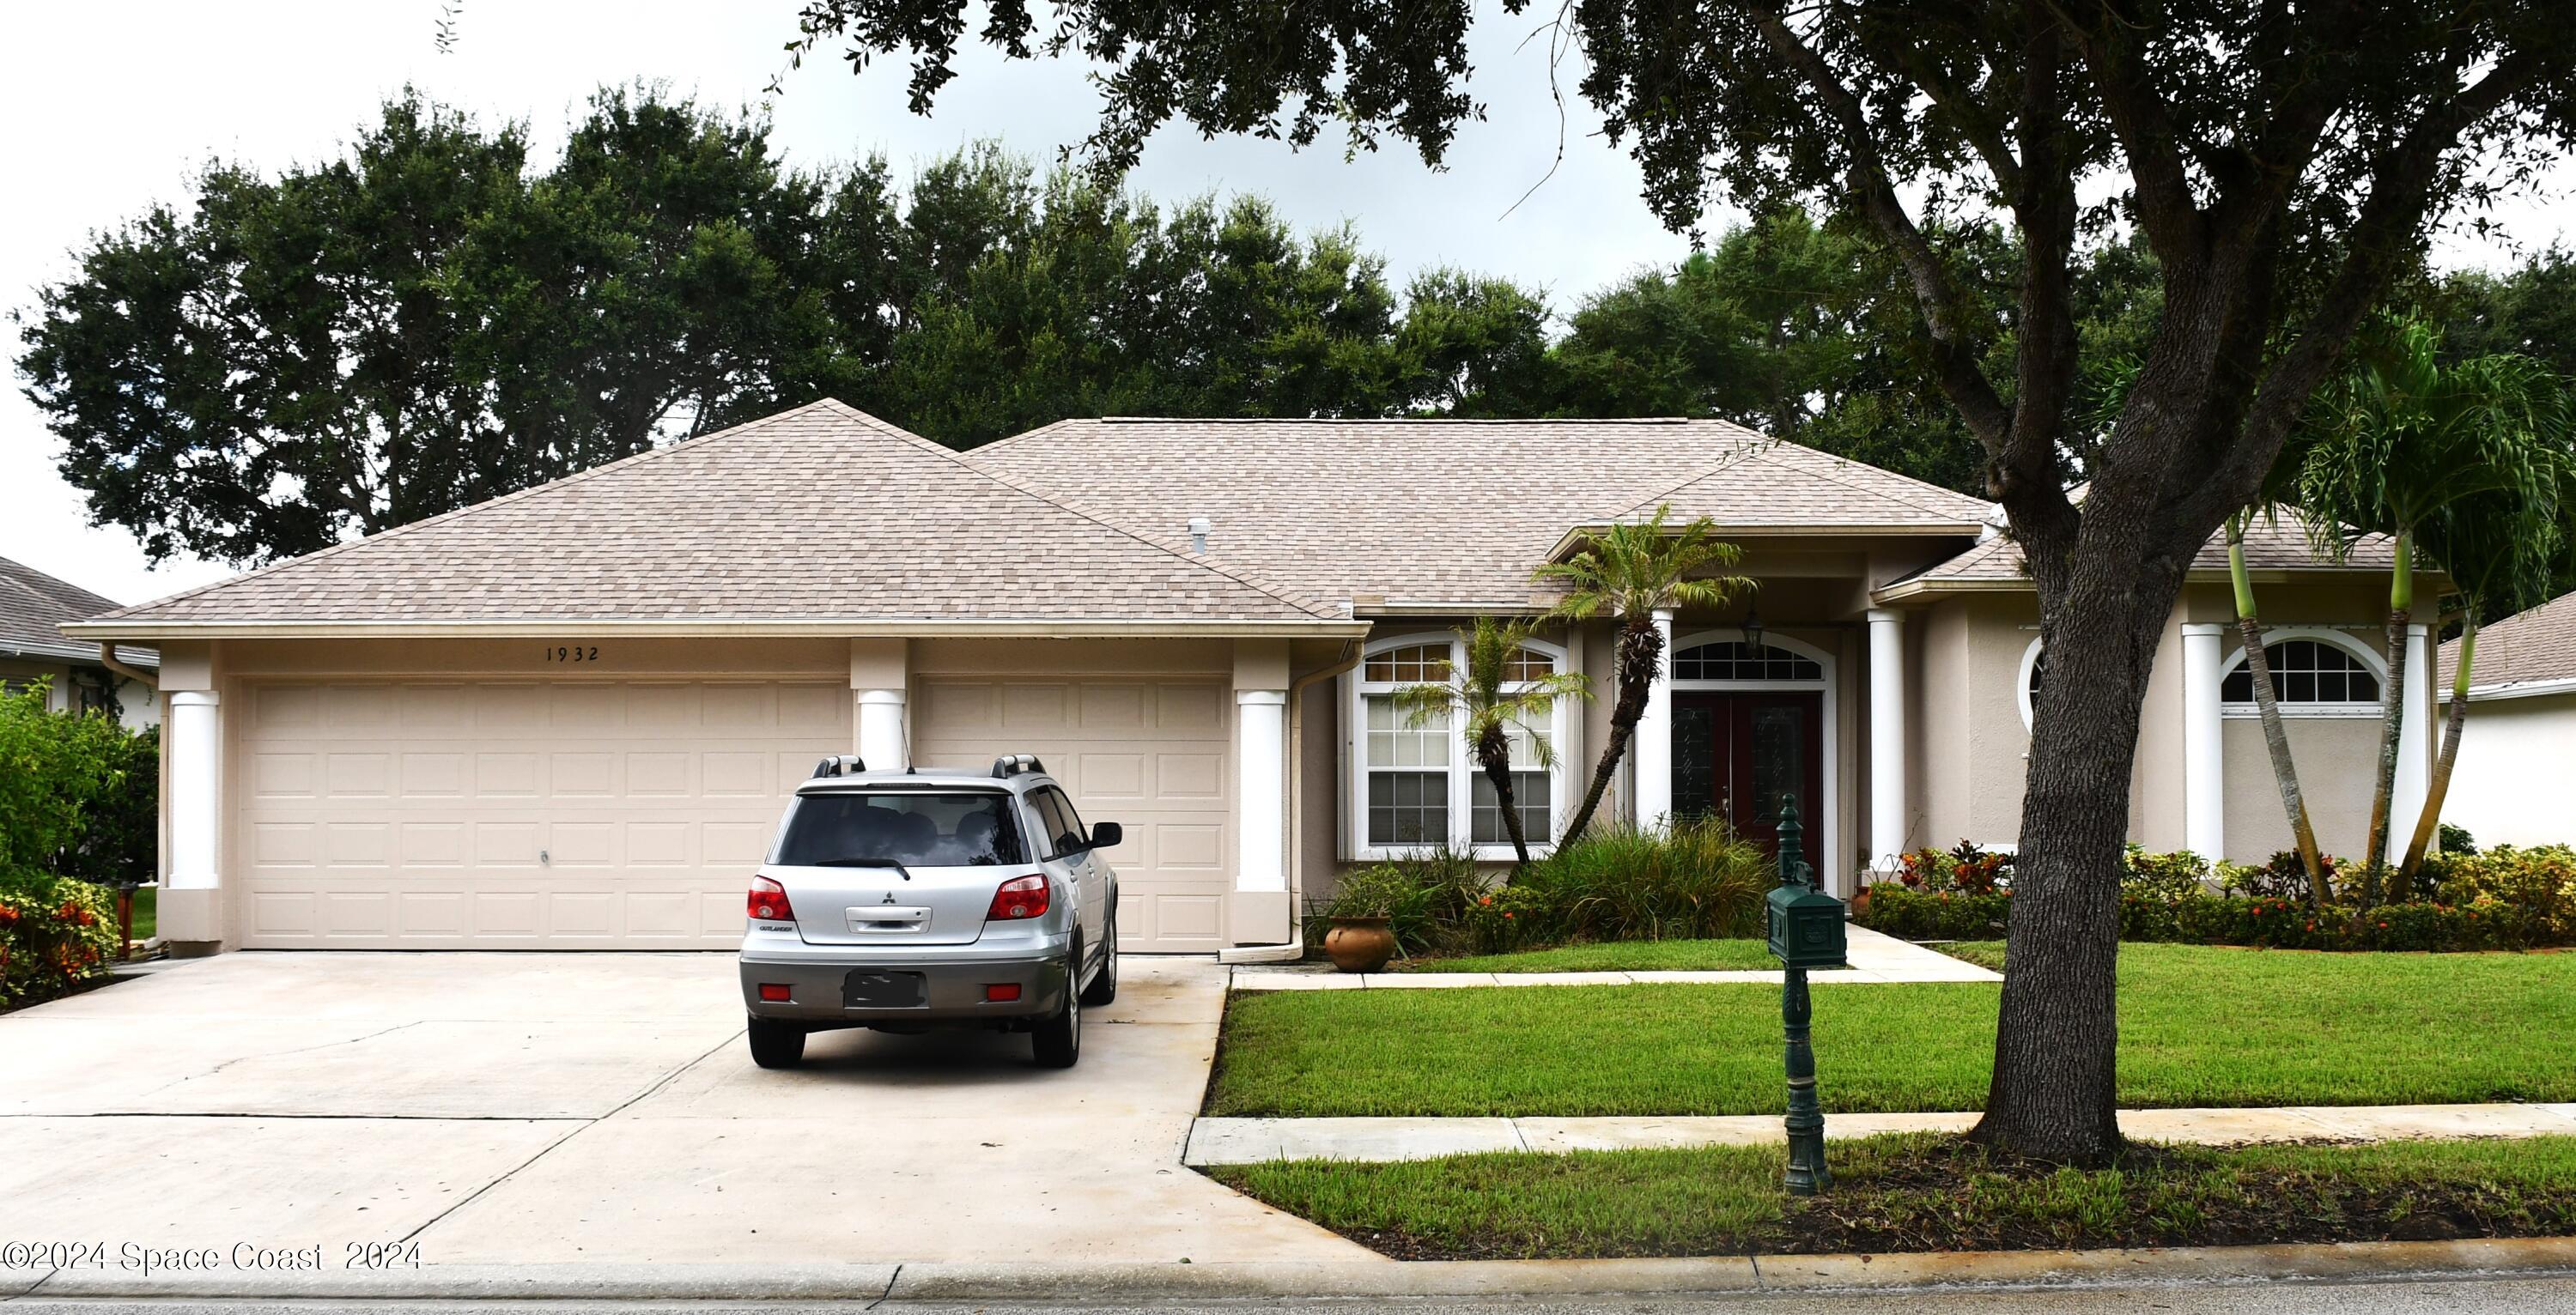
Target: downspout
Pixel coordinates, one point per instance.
(107, 658)
(1294, 948)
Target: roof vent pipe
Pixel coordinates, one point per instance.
(1199, 527)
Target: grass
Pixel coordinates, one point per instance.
(2199, 1026)
(147, 904)
(1921, 1193)
(1609, 957)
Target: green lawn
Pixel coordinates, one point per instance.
(1608, 957)
(2199, 1026)
(1921, 1193)
(147, 904)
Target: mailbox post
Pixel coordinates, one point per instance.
(1806, 932)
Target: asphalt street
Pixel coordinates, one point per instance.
(2530, 1296)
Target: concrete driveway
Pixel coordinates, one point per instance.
(539, 1108)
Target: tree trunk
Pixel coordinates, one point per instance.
(2431, 819)
(2103, 611)
(1641, 653)
(2392, 713)
(2285, 771)
(2276, 737)
(1494, 754)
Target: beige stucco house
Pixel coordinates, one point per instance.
(2511, 784)
(76, 676)
(568, 717)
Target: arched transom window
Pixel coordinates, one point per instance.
(1415, 786)
(1733, 659)
(2306, 672)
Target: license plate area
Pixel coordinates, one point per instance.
(877, 988)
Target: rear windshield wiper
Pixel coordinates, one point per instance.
(866, 863)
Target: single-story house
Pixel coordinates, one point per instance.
(2510, 783)
(33, 608)
(568, 717)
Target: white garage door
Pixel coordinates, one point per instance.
(492, 815)
(1151, 753)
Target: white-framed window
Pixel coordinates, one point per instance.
(1416, 787)
(2315, 673)
(2034, 669)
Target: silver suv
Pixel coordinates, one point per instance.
(907, 900)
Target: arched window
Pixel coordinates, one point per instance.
(1415, 786)
(2034, 669)
(1733, 659)
(2308, 672)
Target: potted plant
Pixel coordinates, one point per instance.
(1361, 918)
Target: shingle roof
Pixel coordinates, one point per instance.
(2523, 649)
(1447, 510)
(820, 513)
(34, 605)
(2277, 544)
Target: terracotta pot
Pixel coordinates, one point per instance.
(1360, 945)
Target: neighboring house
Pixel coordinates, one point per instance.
(568, 717)
(2510, 783)
(33, 608)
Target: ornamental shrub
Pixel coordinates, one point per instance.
(2504, 899)
(55, 933)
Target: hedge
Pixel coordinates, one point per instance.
(2504, 899)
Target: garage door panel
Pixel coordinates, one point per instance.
(1145, 751)
(519, 814)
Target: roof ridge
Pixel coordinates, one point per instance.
(425, 522)
(1312, 607)
(1050, 426)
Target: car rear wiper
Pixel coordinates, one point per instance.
(866, 863)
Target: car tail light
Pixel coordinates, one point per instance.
(776, 992)
(1001, 992)
(768, 902)
(1021, 897)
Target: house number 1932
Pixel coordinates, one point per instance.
(573, 653)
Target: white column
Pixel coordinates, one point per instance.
(2204, 765)
(1886, 737)
(1261, 788)
(2414, 743)
(195, 746)
(881, 738)
(1652, 749)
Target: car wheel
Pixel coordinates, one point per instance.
(776, 1043)
(1058, 1040)
(1104, 984)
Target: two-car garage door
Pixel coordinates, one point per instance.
(500, 815)
(622, 814)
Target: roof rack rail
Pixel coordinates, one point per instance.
(843, 764)
(1017, 764)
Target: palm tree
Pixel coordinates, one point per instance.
(2501, 548)
(1496, 703)
(2276, 737)
(1630, 571)
(2404, 437)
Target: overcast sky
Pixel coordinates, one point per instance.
(112, 107)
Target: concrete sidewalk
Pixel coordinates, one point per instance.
(1253, 1141)
(1873, 957)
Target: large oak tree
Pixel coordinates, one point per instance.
(2281, 162)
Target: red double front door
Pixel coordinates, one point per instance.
(1737, 755)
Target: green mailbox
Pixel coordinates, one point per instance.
(1806, 928)
(1806, 923)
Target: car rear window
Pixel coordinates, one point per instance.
(943, 829)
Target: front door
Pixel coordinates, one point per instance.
(1736, 755)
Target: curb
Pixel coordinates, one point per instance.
(1182, 1281)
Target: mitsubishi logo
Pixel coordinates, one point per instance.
(889, 899)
